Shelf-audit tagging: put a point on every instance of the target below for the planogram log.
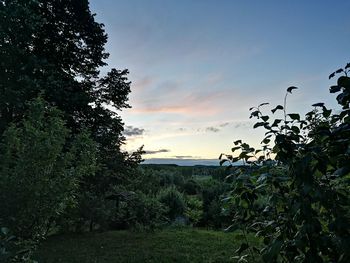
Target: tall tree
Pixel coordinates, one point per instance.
(56, 48)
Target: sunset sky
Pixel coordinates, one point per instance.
(197, 66)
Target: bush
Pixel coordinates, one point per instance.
(212, 192)
(298, 202)
(147, 181)
(39, 170)
(13, 249)
(194, 210)
(139, 211)
(174, 202)
(191, 187)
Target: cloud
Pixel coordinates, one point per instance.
(185, 100)
(243, 125)
(219, 127)
(133, 131)
(224, 124)
(141, 84)
(160, 109)
(157, 151)
(212, 129)
(185, 157)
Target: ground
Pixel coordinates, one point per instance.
(171, 245)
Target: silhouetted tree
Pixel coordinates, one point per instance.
(54, 49)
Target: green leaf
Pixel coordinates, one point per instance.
(235, 148)
(261, 186)
(258, 124)
(262, 178)
(266, 141)
(344, 81)
(231, 228)
(254, 114)
(278, 107)
(243, 247)
(276, 122)
(291, 88)
(273, 251)
(320, 104)
(326, 113)
(295, 129)
(265, 118)
(251, 149)
(334, 89)
(294, 116)
(339, 70)
(262, 104)
(237, 142)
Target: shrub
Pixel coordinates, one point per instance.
(174, 202)
(13, 249)
(298, 201)
(191, 187)
(39, 170)
(139, 211)
(194, 209)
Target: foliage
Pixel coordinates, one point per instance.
(56, 49)
(192, 187)
(139, 211)
(212, 193)
(90, 213)
(194, 209)
(171, 178)
(201, 188)
(174, 202)
(148, 181)
(40, 170)
(13, 249)
(298, 201)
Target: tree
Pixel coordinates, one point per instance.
(56, 49)
(174, 201)
(298, 201)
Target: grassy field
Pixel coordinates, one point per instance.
(187, 245)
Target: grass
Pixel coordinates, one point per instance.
(186, 245)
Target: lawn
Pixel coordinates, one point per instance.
(186, 245)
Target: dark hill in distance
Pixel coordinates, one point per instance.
(184, 162)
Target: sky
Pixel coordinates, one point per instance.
(197, 66)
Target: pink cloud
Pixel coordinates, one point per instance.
(141, 84)
(200, 103)
(176, 110)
